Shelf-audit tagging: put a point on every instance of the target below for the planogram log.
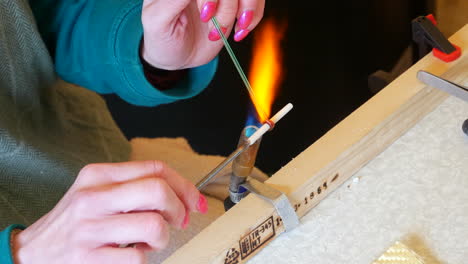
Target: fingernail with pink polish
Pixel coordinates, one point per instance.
(186, 220)
(214, 35)
(241, 34)
(202, 205)
(208, 11)
(245, 19)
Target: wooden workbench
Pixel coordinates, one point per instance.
(413, 187)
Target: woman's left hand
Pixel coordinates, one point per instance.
(178, 34)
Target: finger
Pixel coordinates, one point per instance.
(249, 15)
(147, 194)
(101, 174)
(148, 228)
(208, 10)
(105, 173)
(226, 15)
(117, 255)
(164, 12)
(184, 189)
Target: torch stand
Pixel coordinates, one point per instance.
(241, 185)
(242, 167)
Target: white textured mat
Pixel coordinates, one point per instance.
(415, 192)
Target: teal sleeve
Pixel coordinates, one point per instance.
(5, 249)
(95, 44)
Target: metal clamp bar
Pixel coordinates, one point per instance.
(278, 199)
(447, 86)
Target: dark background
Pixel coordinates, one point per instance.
(330, 48)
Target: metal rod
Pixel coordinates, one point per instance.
(236, 63)
(221, 166)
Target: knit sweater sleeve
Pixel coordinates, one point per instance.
(95, 44)
(6, 254)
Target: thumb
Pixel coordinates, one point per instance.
(163, 12)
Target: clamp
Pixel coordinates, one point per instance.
(447, 86)
(278, 199)
(428, 36)
(241, 183)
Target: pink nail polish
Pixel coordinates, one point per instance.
(214, 36)
(208, 11)
(241, 34)
(186, 220)
(202, 205)
(245, 19)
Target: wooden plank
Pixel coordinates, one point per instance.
(451, 15)
(252, 224)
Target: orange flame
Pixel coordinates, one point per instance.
(265, 74)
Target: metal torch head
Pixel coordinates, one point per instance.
(243, 165)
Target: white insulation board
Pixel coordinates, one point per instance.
(415, 192)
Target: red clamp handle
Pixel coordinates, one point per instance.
(447, 57)
(440, 54)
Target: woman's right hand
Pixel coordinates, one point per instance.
(178, 34)
(111, 205)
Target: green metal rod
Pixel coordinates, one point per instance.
(235, 61)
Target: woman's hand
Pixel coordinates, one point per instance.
(178, 34)
(111, 205)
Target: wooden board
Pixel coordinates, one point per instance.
(451, 15)
(252, 224)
